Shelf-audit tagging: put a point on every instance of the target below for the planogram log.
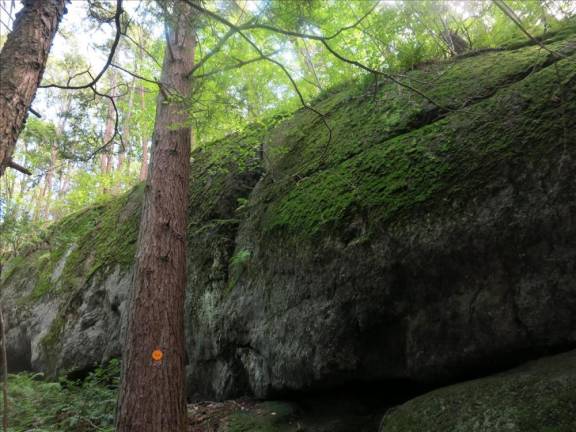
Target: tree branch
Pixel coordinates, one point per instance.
(323, 39)
(516, 20)
(34, 112)
(127, 36)
(18, 167)
(118, 25)
(239, 64)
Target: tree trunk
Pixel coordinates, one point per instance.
(143, 140)
(106, 162)
(126, 131)
(152, 394)
(3, 325)
(22, 63)
(49, 179)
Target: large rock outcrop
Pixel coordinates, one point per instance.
(427, 240)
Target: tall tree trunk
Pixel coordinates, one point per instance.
(106, 162)
(49, 179)
(152, 394)
(143, 139)
(3, 326)
(126, 131)
(22, 62)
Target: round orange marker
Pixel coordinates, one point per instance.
(157, 355)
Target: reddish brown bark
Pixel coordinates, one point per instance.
(22, 62)
(144, 141)
(152, 394)
(126, 132)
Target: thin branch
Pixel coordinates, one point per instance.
(323, 39)
(118, 25)
(127, 36)
(8, 12)
(239, 64)
(7, 28)
(251, 26)
(213, 51)
(512, 15)
(293, 82)
(116, 122)
(135, 75)
(34, 112)
(384, 74)
(18, 167)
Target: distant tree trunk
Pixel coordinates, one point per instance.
(49, 178)
(22, 62)
(126, 131)
(303, 52)
(152, 393)
(4, 369)
(143, 139)
(106, 155)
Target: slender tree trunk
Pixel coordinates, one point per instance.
(64, 181)
(4, 369)
(152, 394)
(143, 139)
(49, 179)
(22, 62)
(106, 162)
(126, 131)
(144, 166)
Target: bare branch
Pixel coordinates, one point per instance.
(239, 64)
(323, 39)
(34, 112)
(249, 25)
(135, 75)
(18, 167)
(118, 25)
(127, 36)
(293, 82)
(215, 50)
(512, 15)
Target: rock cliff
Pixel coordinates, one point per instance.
(417, 240)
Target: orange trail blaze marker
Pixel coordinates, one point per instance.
(157, 355)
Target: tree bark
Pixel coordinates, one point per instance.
(126, 131)
(22, 62)
(143, 140)
(152, 394)
(4, 370)
(106, 161)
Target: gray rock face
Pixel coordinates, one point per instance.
(422, 247)
(57, 334)
(431, 301)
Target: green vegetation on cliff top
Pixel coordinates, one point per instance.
(392, 152)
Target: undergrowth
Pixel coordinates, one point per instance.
(36, 405)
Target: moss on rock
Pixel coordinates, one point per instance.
(537, 397)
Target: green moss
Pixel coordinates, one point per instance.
(267, 417)
(82, 243)
(376, 166)
(538, 397)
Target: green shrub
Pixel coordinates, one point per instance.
(65, 406)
